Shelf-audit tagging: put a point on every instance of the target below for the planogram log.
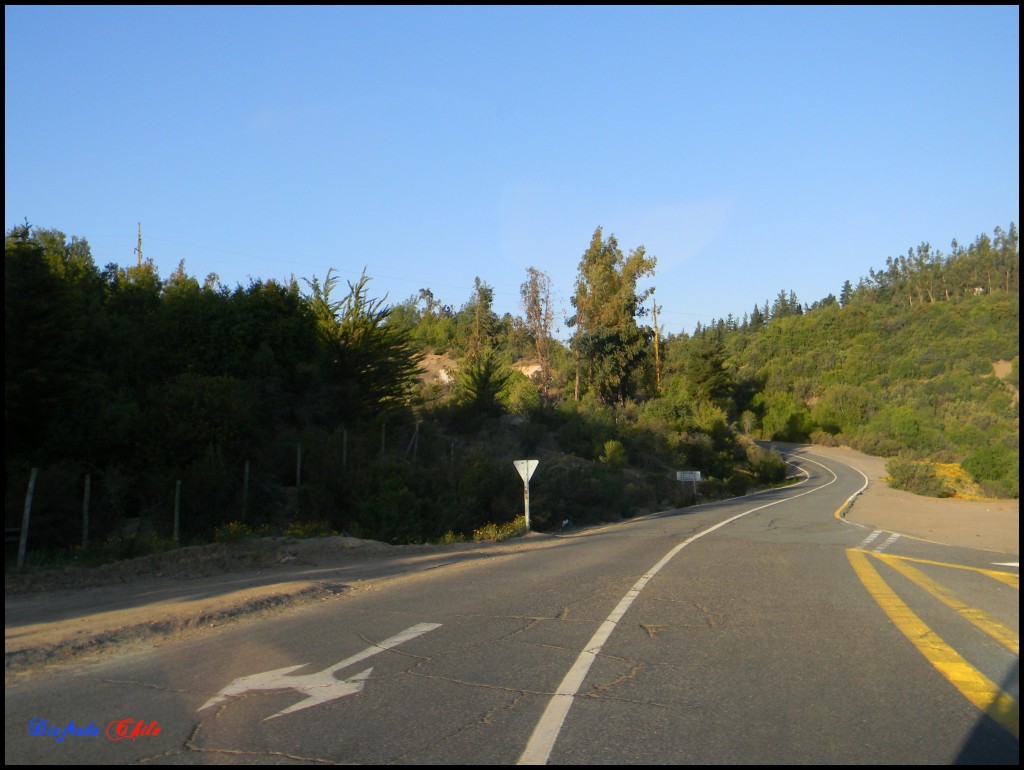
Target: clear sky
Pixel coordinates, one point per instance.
(750, 150)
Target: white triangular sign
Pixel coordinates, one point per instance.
(526, 468)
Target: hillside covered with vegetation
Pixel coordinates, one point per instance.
(308, 405)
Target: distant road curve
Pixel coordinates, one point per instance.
(991, 525)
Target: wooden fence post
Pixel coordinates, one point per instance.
(85, 511)
(177, 510)
(23, 540)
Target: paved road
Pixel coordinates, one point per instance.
(758, 630)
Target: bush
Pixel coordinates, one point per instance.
(767, 466)
(823, 438)
(530, 436)
(231, 532)
(737, 484)
(450, 537)
(918, 477)
(499, 532)
(520, 395)
(389, 511)
(614, 454)
(991, 463)
(482, 385)
(305, 530)
(586, 494)
(997, 469)
(582, 429)
(208, 494)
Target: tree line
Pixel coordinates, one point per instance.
(281, 401)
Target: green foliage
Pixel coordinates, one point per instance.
(913, 476)
(450, 537)
(608, 344)
(898, 364)
(482, 385)
(531, 435)
(208, 498)
(767, 466)
(786, 417)
(113, 549)
(143, 382)
(498, 532)
(373, 363)
(704, 371)
(996, 465)
(535, 294)
(189, 414)
(614, 454)
(388, 512)
(841, 409)
(232, 532)
(520, 395)
(584, 494)
(305, 530)
(582, 429)
(236, 531)
(51, 296)
(711, 420)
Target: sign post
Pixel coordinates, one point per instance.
(526, 469)
(693, 476)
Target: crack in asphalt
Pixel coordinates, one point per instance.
(190, 742)
(711, 617)
(651, 629)
(483, 721)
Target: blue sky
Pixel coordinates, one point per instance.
(750, 150)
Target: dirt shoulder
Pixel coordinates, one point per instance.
(57, 616)
(990, 525)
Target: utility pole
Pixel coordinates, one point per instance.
(657, 352)
(138, 249)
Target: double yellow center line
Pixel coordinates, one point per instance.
(972, 683)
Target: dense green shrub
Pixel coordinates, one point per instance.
(918, 477)
(521, 395)
(767, 466)
(996, 467)
(614, 454)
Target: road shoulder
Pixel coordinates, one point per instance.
(989, 525)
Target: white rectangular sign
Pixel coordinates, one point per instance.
(687, 475)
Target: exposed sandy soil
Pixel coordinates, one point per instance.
(60, 615)
(992, 525)
(1002, 370)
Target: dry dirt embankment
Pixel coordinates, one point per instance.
(55, 616)
(991, 525)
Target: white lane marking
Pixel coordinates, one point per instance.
(321, 686)
(1007, 564)
(892, 539)
(852, 498)
(542, 741)
(870, 538)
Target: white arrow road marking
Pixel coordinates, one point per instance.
(321, 686)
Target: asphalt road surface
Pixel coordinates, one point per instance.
(760, 630)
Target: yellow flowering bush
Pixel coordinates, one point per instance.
(499, 532)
